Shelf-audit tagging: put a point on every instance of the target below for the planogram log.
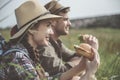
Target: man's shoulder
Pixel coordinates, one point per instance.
(49, 50)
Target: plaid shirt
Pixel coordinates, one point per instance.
(19, 66)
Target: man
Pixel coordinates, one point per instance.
(56, 57)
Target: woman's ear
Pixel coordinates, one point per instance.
(32, 31)
(54, 23)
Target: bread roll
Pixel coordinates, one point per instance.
(85, 50)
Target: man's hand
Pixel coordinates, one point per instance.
(92, 66)
(91, 40)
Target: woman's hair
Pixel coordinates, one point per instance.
(13, 30)
(24, 40)
(29, 48)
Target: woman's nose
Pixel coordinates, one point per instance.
(50, 31)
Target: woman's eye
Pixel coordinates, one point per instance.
(49, 24)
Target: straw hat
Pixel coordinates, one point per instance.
(28, 13)
(54, 7)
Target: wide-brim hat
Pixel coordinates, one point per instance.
(54, 7)
(28, 13)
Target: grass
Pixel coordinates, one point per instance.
(109, 50)
(5, 33)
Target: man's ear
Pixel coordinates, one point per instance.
(32, 31)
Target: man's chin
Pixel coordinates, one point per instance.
(66, 33)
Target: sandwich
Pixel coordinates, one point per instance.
(85, 50)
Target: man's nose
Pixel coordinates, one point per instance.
(69, 23)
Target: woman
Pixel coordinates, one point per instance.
(34, 27)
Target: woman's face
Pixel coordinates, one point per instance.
(42, 34)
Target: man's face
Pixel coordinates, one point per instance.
(42, 34)
(62, 26)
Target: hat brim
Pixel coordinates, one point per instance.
(66, 8)
(62, 8)
(26, 27)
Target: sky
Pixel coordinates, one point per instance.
(79, 9)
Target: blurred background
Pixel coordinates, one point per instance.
(100, 18)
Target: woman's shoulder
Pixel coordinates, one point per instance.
(15, 51)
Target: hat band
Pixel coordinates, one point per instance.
(35, 19)
(58, 10)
